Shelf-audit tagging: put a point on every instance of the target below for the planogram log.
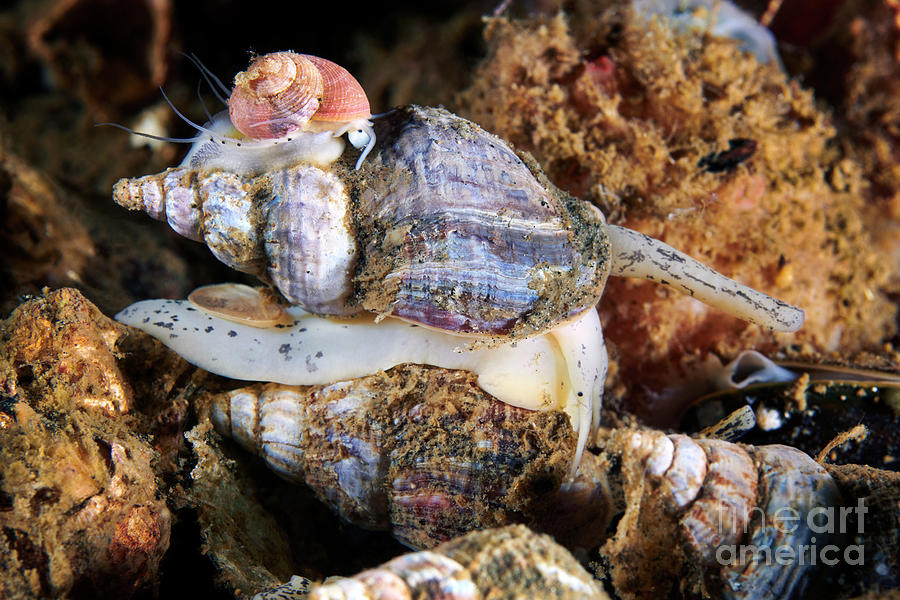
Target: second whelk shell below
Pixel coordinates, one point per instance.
(425, 453)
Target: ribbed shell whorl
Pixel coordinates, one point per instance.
(459, 233)
(291, 227)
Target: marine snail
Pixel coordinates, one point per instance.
(445, 226)
(426, 454)
(286, 107)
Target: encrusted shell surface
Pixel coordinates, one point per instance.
(746, 532)
(507, 563)
(423, 452)
(790, 484)
(450, 229)
(276, 96)
(463, 235)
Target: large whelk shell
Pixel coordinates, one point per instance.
(422, 452)
(419, 451)
(275, 96)
(459, 233)
(343, 98)
(451, 230)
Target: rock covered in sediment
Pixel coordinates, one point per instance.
(79, 501)
(620, 111)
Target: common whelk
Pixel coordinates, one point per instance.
(445, 226)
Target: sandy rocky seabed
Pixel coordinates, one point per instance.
(99, 492)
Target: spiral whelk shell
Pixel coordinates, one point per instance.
(422, 452)
(742, 515)
(504, 563)
(491, 253)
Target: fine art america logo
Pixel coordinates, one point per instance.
(789, 537)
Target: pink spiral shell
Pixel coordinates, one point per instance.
(281, 92)
(275, 96)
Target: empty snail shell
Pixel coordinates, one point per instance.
(724, 507)
(506, 563)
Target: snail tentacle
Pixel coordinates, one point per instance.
(219, 89)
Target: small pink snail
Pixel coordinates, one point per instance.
(284, 94)
(286, 108)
